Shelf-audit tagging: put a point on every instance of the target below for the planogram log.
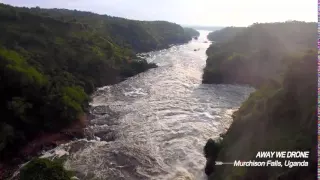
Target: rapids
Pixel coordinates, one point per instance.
(154, 125)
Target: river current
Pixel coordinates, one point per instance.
(154, 126)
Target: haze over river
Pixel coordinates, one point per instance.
(154, 126)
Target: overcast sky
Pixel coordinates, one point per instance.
(191, 12)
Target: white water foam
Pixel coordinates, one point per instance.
(154, 126)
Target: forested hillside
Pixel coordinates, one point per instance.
(206, 28)
(191, 32)
(256, 53)
(277, 117)
(140, 36)
(224, 34)
(52, 59)
(281, 114)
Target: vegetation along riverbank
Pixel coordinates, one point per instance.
(51, 60)
(280, 60)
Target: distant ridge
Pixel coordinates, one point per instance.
(208, 28)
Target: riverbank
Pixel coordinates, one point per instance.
(55, 59)
(258, 53)
(48, 140)
(281, 115)
(157, 120)
(43, 142)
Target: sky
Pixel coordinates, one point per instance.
(191, 12)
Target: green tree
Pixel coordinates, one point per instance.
(40, 169)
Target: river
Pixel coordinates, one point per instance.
(154, 125)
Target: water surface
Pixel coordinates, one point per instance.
(154, 125)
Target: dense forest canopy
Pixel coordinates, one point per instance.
(140, 36)
(52, 59)
(280, 59)
(224, 34)
(191, 32)
(277, 117)
(256, 53)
